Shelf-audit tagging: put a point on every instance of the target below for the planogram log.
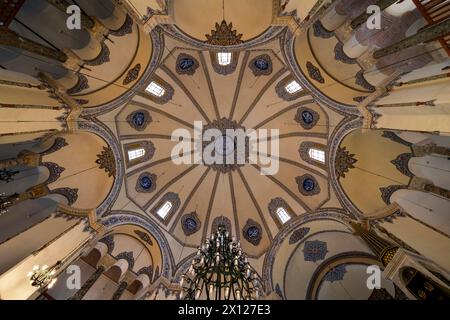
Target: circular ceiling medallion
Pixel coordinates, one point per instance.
(224, 145)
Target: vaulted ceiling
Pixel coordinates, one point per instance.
(252, 101)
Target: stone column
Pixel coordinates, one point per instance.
(88, 284)
(362, 18)
(343, 10)
(120, 290)
(33, 193)
(430, 148)
(407, 60)
(430, 33)
(62, 5)
(11, 38)
(393, 29)
(430, 103)
(25, 157)
(424, 79)
(316, 13)
(421, 184)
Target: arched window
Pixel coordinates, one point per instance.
(224, 58)
(317, 154)
(313, 153)
(164, 209)
(283, 215)
(136, 154)
(290, 89)
(155, 89)
(293, 87)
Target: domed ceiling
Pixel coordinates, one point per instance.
(249, 93)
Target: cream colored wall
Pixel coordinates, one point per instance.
(78, 158)
(373, 168)
(28, 96)
(198, 17)
(15, 120)
(429, 119)
(418, 118)
(427, 242)
(353, 286)
(434, 168)
(332, 88)
(293, 274)
(140, 6)
(102, 289)
(14, 285)
(126, 243)
(60, 290)
(122, 53)
(110, 76)
(427, 207)
(303, 7)
(17, 248)
(127, 240)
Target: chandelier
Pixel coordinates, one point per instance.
(220, 271)
(43, 276)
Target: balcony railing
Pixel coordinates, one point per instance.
(435, 11)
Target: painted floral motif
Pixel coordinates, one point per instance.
(190, 223)
(224, 35)
(139, 119)
(298, 235)
(336, 274)
(252, 232)
(315, 250)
